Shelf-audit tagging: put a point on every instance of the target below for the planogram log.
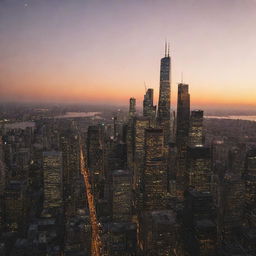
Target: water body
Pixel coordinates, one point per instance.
(247, 118)
(19, 125)
(79, 114)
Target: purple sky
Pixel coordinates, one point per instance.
(103, 51)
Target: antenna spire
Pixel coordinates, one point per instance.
(165, 49)
(168, 54)
(182, 77)
(145, 86)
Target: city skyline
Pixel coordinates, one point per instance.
(93, 52)
(126, 182)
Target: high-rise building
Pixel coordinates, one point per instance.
(182, 131)
(249, 176)
(121, 238)
(132, 107)
(15, 205)
(183, 113)
(141, 123)
(149, 110)
(231, 206)
(200, 230)
(236, 158)
(130, 134)
(155, 180)
(78, 234)
(121, 195)
(69, 144)
(196, 128)
(163, 113)
(172, 168)
(2, 170)
(160, 233)
(199, 172)
(95, 157)
(219, 155)
(53, 179)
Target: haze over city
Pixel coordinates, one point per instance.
(105, 51)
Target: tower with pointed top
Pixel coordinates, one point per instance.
(163, 114)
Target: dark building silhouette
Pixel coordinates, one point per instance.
(15, 206)
(121, 238)
(183, 113)
(182, 132)
(130, 134)
(161, 232)
(236, 158)
(250, 187)
(69, 145)
(231, 207)
(95, 157)
(200, 229)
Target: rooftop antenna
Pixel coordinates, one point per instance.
(182, 77)
(168, 49)
(145, 86)
(165, 49)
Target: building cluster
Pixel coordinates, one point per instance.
(186, 189)
(43, 204)
(163, 182)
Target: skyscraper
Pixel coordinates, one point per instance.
(161, 232)
(182, 131)
(163, 115)
(198, 172)
(141, 123)
(53, 185)
(132, 107)
(196, 128)
(95, 156)
(69, 144)
(155, 170)
(15, 205)
(232, 204)
(183, 113)
(130, 133)
(199, 220)
(149, 110)
(250, 186)
(121, 195)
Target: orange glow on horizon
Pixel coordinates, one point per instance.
(118, 97)
(105, 52)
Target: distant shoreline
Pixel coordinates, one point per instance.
(233, 117)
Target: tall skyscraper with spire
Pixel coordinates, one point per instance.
(163, 115)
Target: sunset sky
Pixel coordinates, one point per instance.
(103, 51)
